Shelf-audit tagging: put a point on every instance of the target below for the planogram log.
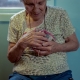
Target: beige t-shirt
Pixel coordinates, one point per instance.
(56, 22)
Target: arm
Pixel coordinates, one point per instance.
(33, 39)
(71, 44)
(68, 33)
(14, 52)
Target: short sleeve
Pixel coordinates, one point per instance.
(67, 27)
(12, 31)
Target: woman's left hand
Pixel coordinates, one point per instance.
(47, 48)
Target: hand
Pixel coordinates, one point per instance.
(32, 39)
(47, 48)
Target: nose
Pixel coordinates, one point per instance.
(36, 8)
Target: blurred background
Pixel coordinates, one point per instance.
(10, 7)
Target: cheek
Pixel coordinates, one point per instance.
(43, 8)
(29, 9)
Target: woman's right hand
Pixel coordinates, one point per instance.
(32, 39)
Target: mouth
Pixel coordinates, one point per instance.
(36, 14)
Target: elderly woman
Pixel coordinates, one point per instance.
(39, 38)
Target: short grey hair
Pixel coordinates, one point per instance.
(22, 0)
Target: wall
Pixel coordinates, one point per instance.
(5, 65)
(73, 9)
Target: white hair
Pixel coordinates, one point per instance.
(46, 0)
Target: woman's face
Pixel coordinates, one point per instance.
(35, 8)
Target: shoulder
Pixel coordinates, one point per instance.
(18, 15)
(16, 20)
(56, 9)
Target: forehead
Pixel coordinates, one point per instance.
(33, 1)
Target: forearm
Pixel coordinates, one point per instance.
(68, 46)
(15, 53)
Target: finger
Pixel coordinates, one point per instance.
(46, 44)
(43, 53)
(39, 42)
(40, 33)
(41, 38)
(36, 45)
(49, 43)
(36, 42)
(37, 52)
(42, 48)
(37, 35)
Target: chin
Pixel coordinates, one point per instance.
(36, 18)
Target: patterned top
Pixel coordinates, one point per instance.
(57, 22)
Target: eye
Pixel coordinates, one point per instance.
(40, 3)
(29, 4)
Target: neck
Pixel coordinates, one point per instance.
(33, 23)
